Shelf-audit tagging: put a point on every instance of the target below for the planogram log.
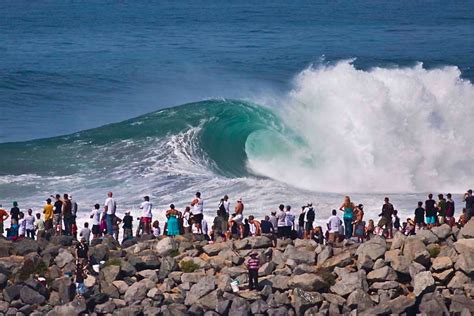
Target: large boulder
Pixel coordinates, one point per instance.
(307, 282)
(360, 300)
(300, 255)
(398, 240)
(464, 245)
(25, 246)
(442, 263)
(198, 290)
(260, 242)
(442, 232)
(468, 230)
(138, 290)
(110, 273)
(165, 246)
(350, 282)
(401, 264)
(423, 283)
(31, 297)
(412, 245)
(458, 281)
(64, 257)
(303, 300)
(465, 263)
(215, 248)
(374, 248)
(65, 288)
(427, 236)
(77, 307)
(383, 274)
(433, 304)
(12, 292)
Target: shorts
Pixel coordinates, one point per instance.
(80, 288)
(1, 228)
(308, 226)
(48, 224)
(95, 229)
(238, 219)
(333, 237)
(146, 220)
(57, 219)
(441, 220)
(385, 222)
(197, 218)
(430, 220)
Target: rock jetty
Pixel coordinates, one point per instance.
(431, 273)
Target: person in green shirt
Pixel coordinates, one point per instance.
(441, 209)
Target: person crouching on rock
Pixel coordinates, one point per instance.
(253, 264)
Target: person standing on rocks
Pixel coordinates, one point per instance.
(172, 223)
(3, 217)
(441, 209)
(198, 211)
(430, 208)
(290, 221)
(39, 227)
(450, 210)
(469, 199)
(334, 225)
(253, 264)
(95, 221)
(238, 217)
(308, 221)
(57, 215)
(67, 215)
(15, 213)
(348, 208)
(386, 220)
(127, 226)
(30, 224)
(110, 206)
(147, 215)
(281, 224)
(48, 216)
(420, 216)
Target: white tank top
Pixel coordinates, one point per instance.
(198, 207)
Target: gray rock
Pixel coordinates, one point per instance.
(387, 285)
(467, 231)
(203, 287)
(174, 309)
(458, 281)
(433, 304)
(390, 254)
(215, 248)
(379, 263)
(305, 268)
(31, 297)
(423, 257)
(427, 236)
(461, 302)
(374, 248)
(334, 299)
(260, 242)
(239, 307)
(340, 260)
(149, 274)
(280, 311)
(165, 246)
(266, 269)
(25, 246)
(65, 288)
(300, 255)
(121, 286)
(278, 282)
(105, 308)
(64, 257)
(192, 277)
(412, 245)
(240, 244)
(423, 283)
(442, 232)
(401, 264)
(308, 282)
(137, 291)
(110, 273)
(12, 292)
(325, 254)
(259, 307)
(302, 300)
(464, 245)
(383, 274)
(168, 264)
(415, 268)
(365, 263)
(443, 276)
(359, 299)
(350, 283)
(4, 306)
(398, 241)
(75, 307)
(442, 263)
(465, 263)
(401, 304)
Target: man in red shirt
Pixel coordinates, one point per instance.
(3, 217)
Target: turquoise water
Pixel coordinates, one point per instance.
(273, 101)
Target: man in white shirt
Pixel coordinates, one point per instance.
(109, 210)
(146, 208)
(281, 221)
(290, 221)
(95, 221)
(198, 210)
(226, 204)
(334, 226)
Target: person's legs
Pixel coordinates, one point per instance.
(108, 220)
(348, 227)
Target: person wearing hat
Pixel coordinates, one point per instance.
(82, 251)
(15, 213)
(253, 264)
(238, 217)
(3, 217)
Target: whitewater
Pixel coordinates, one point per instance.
(340, 130)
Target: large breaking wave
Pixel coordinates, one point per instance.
(339, 129)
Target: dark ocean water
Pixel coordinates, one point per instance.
(70, 65)
(289, 100)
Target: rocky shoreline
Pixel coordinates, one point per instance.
(430, 273)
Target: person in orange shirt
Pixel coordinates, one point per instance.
(3, 216)
(48, 216)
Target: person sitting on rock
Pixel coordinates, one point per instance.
(253, 264)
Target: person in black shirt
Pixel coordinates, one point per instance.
(430, 207)
(82, 251)
(450, 209)
(127, 226)
(386, 220)
(15, 213)
(267, 228)
(57, 214)
(420, 215)
(469, 199)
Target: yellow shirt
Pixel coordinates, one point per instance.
(48, 212)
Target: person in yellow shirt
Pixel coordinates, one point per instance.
(48, 215)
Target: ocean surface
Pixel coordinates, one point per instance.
(272, 101)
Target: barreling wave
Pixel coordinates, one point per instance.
(340, 129)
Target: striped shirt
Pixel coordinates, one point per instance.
(253, 264)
